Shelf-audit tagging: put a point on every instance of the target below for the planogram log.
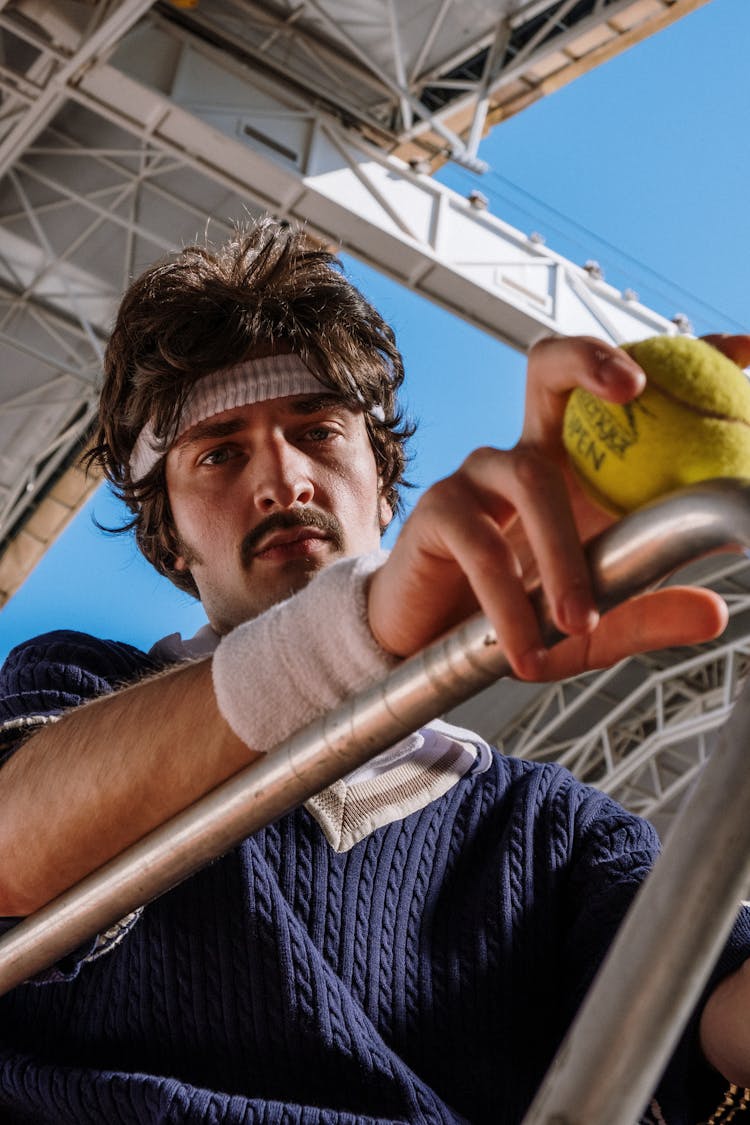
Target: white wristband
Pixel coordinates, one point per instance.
(274, 674)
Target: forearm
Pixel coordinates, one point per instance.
(725, 1027)
(86, 787)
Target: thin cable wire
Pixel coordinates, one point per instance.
(704, 306)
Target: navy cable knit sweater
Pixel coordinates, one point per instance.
(425, 975)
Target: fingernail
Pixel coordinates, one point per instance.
(577, 613)
(615, 366)
(530, 664)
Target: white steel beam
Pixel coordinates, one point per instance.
(407, 100)
(120, 19)
(261, 141)
(482, 94)
(44, 467)
(542, 46)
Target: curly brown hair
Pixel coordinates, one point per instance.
(271, 287)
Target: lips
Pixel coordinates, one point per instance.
(298, 539)
(292, 534)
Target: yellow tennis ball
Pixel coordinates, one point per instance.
(690, 423)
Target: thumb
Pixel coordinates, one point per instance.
(558, 365)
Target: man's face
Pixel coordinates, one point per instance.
(265, 496)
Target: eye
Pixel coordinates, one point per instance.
(324, 431)
(218, 456)
(319, 433)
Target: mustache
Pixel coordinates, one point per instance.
(287, 521)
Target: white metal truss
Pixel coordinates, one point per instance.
(237, 128)
(127, 127)
(640, 731)
(51, 72)
(153, 132)
(66, 253)
(429, 75)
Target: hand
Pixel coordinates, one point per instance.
(481, 537)
(725, 1029)
(736, 348)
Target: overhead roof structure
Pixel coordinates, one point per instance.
(129, 127)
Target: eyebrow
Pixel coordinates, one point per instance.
(214, 429)
(209, 429)
(319, 402)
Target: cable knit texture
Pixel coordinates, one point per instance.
(313, 658)
(425, 975)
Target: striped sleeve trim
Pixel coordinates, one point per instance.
(110, 938)
(14, 731)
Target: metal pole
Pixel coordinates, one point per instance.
(617, 1048)
(634, 554)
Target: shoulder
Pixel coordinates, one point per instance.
(569, 814)
(56, 671)
(61, 642)
(66, 650)
(543, 784)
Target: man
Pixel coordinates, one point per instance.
(411, 944)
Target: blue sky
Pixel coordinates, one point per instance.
(642, 164)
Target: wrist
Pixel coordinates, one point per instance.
(301, 658)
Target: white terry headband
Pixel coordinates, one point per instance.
(255, 380)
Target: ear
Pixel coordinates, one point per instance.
(385, 512)
(179, 564)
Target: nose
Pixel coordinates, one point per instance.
(281, 476)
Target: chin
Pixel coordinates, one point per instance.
(296, 575)
(288, 581)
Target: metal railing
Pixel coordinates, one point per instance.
(641, 999)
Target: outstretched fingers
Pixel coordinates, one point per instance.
(537, 492)
(506, 519)
(465, 545)
(676, 615)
